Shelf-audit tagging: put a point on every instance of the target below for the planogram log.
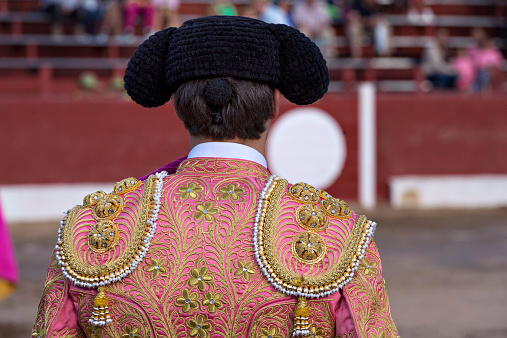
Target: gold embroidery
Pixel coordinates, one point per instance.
(93, 198)
(244, 270)
(303, 193)
(37, 332)
(222, 167)
(187, 301)
(103, 236)
(310, 217)
(368, 299)
(334, 275)
(108, 207)
(316, 332)
(191, 190)
(199, 326)
(200, 277)
(368, 266)
(205, 210)
(94, 331)
(335, 208)
(271, 332)
(212, 301)
(156, 267)
(126, 185)
(130, 332)
(231, 191)
(81, 267)
(308, 248)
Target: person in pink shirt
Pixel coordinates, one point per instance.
(8, 267)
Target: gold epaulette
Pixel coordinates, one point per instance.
(103, 240)
(328, 242)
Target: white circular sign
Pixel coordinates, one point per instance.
(307, 145)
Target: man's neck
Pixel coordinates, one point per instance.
(259, 145)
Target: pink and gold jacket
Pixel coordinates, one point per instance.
(215, 248)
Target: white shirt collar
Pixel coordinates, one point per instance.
(228, 150)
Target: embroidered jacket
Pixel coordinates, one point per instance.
(216, 249)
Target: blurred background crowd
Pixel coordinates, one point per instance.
(407, 45)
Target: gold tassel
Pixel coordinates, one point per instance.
(100, 314)
(301, 314)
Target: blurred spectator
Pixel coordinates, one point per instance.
(270, 12)
(54, 10)
(420, 14)
(464, 68)
(8, 266)
(134, 9)
(436, 61)
(366, 22)
(112, 23)
(166, 13)
(487, 61)
(334, 9)
(312, 19)
(92, 12)
(222, 7)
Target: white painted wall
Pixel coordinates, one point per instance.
(44, 202)
(448, 191)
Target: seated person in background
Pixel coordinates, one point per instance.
(487, 61)
(112, 23)
(436, 62)
(312, 19)
(222, 7)
(274, 12)
(418, 13)
(365, 14)
(135, 8)
(166, 13)
(54, 10)
(464, 68)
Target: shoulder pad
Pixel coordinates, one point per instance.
(308, 243)
(104, 239)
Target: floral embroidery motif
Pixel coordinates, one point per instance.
(126, 185)
(212, 301)
(94, 331)
(108, 207)
(131, 332)
(303, 193)
(271, 332)
(308, 248)
(205, 210)
(311, 217)
(156, 267)
(191, 190)
(230, 191)
(316, 332)
(103, 236)
(368, 266)
(199, 277)
(199, 326)
(244, 270)
(37, 333)
(187, 301)
(93, 198)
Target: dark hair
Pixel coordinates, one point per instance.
(244, 117)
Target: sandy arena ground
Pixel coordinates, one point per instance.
(446, 273)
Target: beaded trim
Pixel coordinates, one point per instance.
(287, 287)
(127, 269)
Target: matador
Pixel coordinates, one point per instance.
(213, 244)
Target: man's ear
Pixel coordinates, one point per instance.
(276, 105)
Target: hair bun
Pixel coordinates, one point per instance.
(217, 93)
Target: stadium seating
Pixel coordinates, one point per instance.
(29, 52)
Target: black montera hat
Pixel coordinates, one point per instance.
(219, 46)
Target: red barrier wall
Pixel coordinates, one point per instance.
(104, 141)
